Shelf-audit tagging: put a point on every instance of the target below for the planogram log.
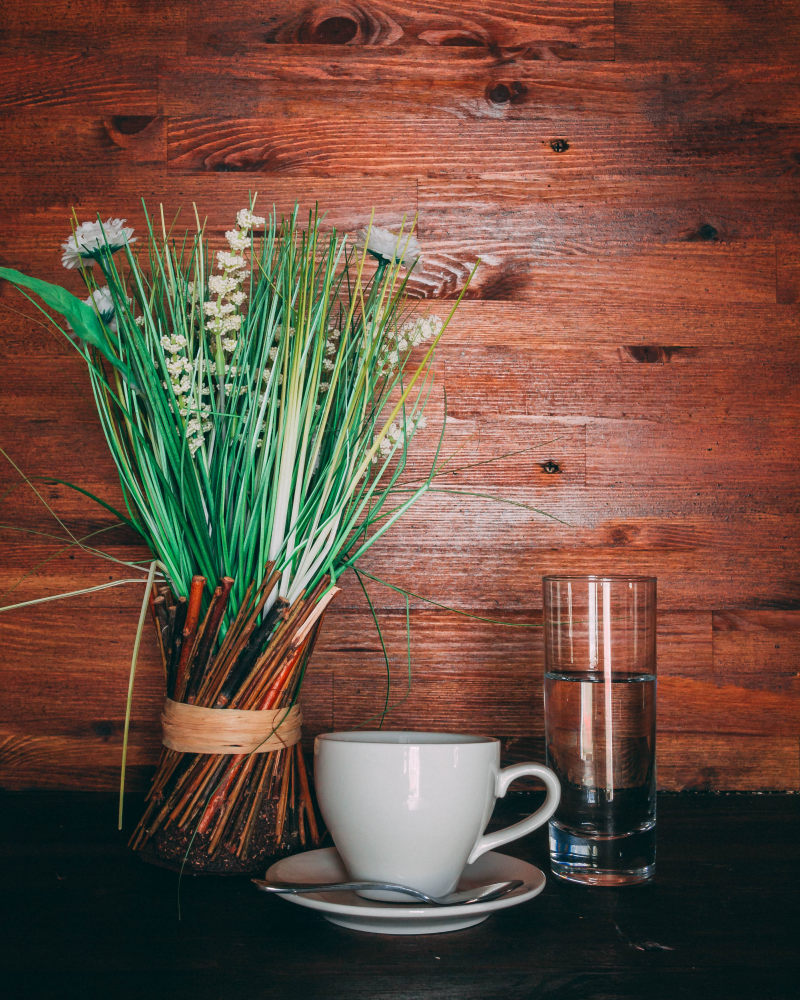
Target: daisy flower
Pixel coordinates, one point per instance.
(387, 247)
(91, 239)
(102, 300)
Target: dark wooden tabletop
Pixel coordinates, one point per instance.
(86, 918)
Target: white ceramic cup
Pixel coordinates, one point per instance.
(411, 807)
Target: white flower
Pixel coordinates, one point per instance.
(228, 344)
(174, 343)
(216, 307)
(238, 240)
(220, 325)
(419, 330)
(246, 220)
(384, 245)
(91, 239)
(102, 300)
(237, 298)
(176, 367)
(230, 261)
(220, 284)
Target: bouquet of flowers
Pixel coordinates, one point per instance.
(258, 402)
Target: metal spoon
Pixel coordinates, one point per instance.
(481, 894)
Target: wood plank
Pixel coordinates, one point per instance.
(688, 705)
(655, 383)
(568, 213)
(64, 761)
(53, 137)
(712, 33)
(699, 763)
(632, 453)
(555, 322)
(68, 80)
(670, 273)
(317, 144)
(758, 647)
(517, 270)
(701, 560)
(41, 22)
(555, 30)
(467, 676)
(302, 82)
(788, 280)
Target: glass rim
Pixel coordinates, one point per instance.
(601, 578)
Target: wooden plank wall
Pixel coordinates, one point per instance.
(628, 173)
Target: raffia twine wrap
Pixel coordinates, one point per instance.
(193, 729)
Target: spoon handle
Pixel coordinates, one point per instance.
(291, 888)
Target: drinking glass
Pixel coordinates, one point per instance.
(600, 723)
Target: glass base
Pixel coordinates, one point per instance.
(626, 859)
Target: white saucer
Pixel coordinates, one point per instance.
(349, 910)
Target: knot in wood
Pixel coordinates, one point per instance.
(335, 30)
(503, 93)
(550, 467)
(559, 145)
(499, 94)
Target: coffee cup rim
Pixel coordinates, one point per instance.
(405, 737)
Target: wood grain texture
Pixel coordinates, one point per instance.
(563, 29)
(621, 382)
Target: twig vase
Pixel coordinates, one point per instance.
(230, 789)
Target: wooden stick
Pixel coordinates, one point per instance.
(226, 802)
(306, 794)
(189, 630)
(249, 654)
(207, 636)
(159, 612)
(273, 656)
(175, 641)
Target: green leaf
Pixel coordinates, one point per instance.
(80, 316)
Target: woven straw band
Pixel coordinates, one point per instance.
(192, 729)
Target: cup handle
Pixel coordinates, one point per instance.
(504, 778)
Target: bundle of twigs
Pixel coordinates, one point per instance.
(229, 811)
